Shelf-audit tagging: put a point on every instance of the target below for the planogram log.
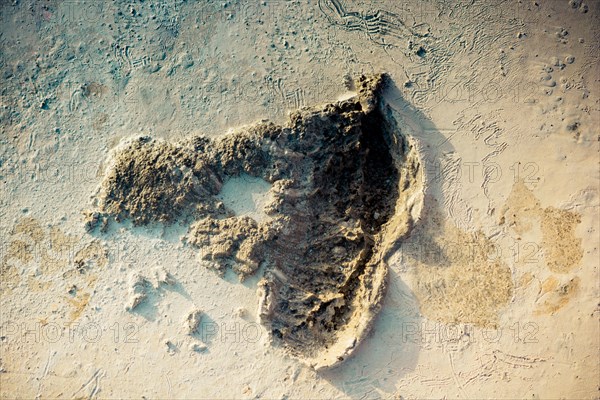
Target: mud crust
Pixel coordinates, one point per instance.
(346, 182)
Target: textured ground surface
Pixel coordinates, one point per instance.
(494, 294)
(336, 173)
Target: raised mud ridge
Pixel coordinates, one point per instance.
(346, 186)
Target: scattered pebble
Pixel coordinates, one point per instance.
(192, 321)
(241, 312)
(562, 33)
(138, 291)
(198, 347)
(163, 277)
(555, 61)
(171, 347)
(573, 126)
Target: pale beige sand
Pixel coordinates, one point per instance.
(494, 296)
(247, 196)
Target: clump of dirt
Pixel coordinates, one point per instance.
(151, 180)
(239, 243)
(345, 186)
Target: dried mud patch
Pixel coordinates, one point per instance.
(458, 276)
(346, 185)
(561, 247)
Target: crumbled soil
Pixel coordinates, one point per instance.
(341, 175)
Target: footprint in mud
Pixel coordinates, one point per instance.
(345, 187)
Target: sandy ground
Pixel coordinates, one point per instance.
(495, 293)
